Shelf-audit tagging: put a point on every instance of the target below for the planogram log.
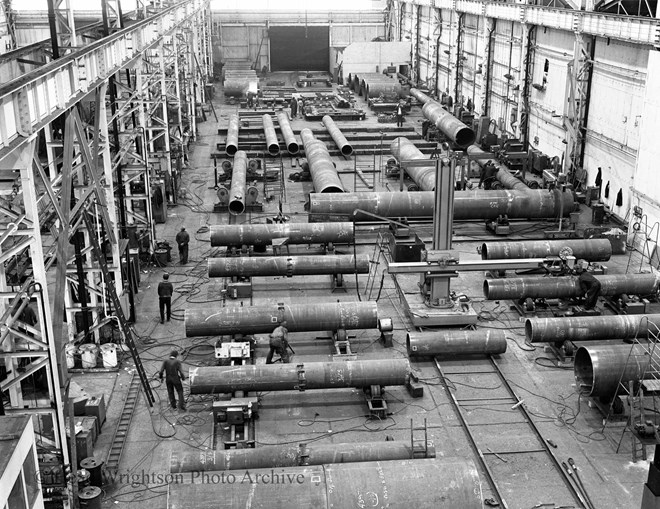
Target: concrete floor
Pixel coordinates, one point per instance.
(611, 479)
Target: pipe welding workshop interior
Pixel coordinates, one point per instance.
(367, 253)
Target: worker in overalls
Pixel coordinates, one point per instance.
(488, 173)
(590, 287)
(279, 343)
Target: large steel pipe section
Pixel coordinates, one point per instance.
(568, 287)
(271, 137)
(324, 316)
(231, 145)
(293, 377)
(238, 184)
(593, 250)
(590, 328)
(324, 174)
(447, 483)
(420, 96)
(387, 87)
(340, 140)
(294, 233)
(468, 205)
(599, 369)
(503, 175)
(450, 126)
(288, 265)
(287, 133)
(405, 150)
(292, 455)
(456, 342)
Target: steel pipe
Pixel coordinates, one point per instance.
(308, 316)
(238, 184)
(374, 88)
(287, 133)
(405, 150)
(591, 328)
(293, 455)
(271, 138)
(340, 140)
(503, 175)
(237, 86)
(447, 483)
(324, 174)
(420, 96)
(593, 250)
(288, 265)
(294, 233)
(568, 287)
(450, 126)
(600, 369)
(293, 377)
(231, 145)
(468, 205)
(456, 342)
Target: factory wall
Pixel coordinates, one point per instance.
(451, 55)
(614, 124)
(373, 56)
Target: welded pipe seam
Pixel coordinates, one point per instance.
(450, 126)
(272, 144)
(563, 287)
(592, 250)
(405, 150)
(468, 205)
(288, 265)
(310, 316)
(324, 174)
(294, 233)
(590, 328)
(447, 483)
(231, 145)
(238, 184)
(300, 376)
(287, 133)
(291, 455)
(456, 342)
(340, 140)
(601, 370)
(503, 175)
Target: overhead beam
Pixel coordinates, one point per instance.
(636, 30)
(32, 101)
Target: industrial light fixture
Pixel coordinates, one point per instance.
(447, 52)
(539, 87)
(508, 76)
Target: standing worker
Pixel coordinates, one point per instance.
(293, 104)
(165, 291)
(590, 287)
(182, 240)
(279, 343)
(301, 111)
(399, 114)
(173, 378)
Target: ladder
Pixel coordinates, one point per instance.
(642, 242)
(274, 189)
(121, 431)
(112, 293)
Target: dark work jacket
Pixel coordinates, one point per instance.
(165, 289)
(182, 238)
(172, 369)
